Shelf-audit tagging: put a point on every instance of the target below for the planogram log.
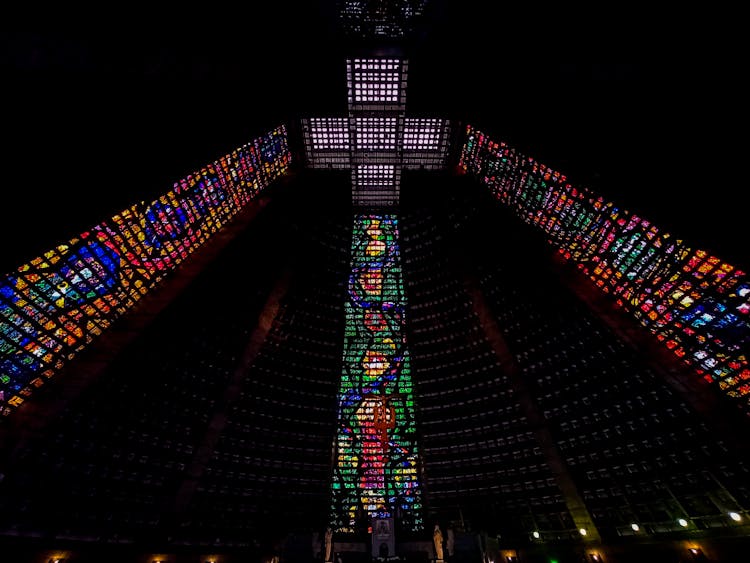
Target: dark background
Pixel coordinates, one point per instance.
(650, 116)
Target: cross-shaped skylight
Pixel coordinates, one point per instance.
(376, 141)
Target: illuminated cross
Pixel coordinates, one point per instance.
(376, 141)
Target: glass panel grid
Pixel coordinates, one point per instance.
(422, 134)
(375, 175)
(329, 133)
(376, 80)
(375, 133)
(54, 305)
(392, 19)
(696, 304)
(376, 454)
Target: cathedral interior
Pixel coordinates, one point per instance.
(435, 302)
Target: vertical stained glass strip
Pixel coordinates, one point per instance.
(54, 305)
(696, 304)
(376, 467)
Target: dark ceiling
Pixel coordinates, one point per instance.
(96, 120)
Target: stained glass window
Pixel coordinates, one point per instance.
(54, 305)
(696, 304)
(376, 467)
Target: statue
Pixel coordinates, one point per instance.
(328, 544)
(450, 542)
(437, 539)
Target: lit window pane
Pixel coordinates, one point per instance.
(329, 133)
(422, 134)
(376, 80)
(376, 133)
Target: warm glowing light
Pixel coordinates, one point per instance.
(535, 534)
(735, 516)
(582, 531)
(635, 527)
(682, 522)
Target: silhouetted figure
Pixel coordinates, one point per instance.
(450, 542)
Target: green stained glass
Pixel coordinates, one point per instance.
(376, 464)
